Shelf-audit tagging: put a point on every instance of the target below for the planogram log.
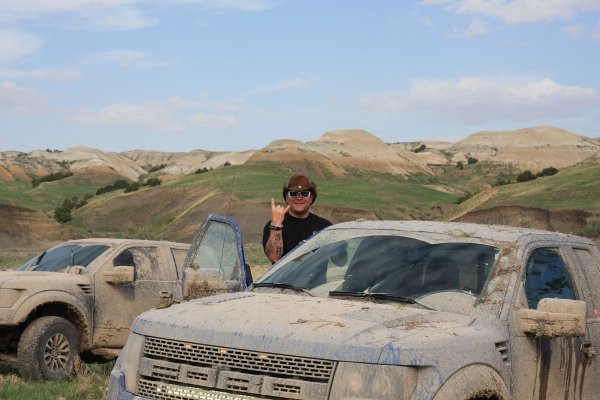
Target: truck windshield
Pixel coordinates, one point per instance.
(385, 264)
(63, 256)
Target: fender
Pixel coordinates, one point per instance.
(476, 381)
(73, 303)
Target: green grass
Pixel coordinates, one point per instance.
(90, 384)
(378, 192)
(45, 197)
(577, 187)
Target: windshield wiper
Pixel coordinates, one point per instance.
(379, 296)
(283, 286)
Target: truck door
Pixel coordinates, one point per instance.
(545, 367)
(119, 301)
(215, 262)
(587, 261)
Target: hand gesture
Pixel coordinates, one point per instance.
(278, 213)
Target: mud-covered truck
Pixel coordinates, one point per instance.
(386, 310)
(81, 296)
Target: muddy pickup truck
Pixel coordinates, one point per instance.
(386, 310)
(81, 296)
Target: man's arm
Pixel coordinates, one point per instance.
(274, 245)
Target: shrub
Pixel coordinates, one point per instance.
(419, 149)
(118, 184)
(501, 181)
(201, 170)
(62, 213)
(525, 176)
(460, 165)
(548, 172)
(464, 197)
(51, 177)
(132, 188)
(154, 168)
(472, 160)
(152, 182)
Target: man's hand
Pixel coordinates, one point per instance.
(278, 213)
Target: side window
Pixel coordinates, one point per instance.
(124, 259)
(144, 260)
(588, 263)
(546, 276)
(218, 251)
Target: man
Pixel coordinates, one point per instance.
(293, 223)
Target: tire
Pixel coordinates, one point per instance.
(48, 349)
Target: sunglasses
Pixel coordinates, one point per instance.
(302, 193)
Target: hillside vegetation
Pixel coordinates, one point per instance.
(357, 175)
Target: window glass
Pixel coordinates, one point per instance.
(218, 251)
(145, 261)
(394, 265)
(546, 276)
(60, 257)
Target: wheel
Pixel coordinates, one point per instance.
(47, 349)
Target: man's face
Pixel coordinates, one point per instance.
(299, 202)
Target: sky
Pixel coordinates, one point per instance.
(235, 75)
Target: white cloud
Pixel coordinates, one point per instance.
(80, 14)
(16, 44)
(59, 74)
(285, 85)
(240, 5)
(476, 100)
(425, 21)
(19, 100)
(131, 115)
(574, 30)
(476, 27)
(519, 11)
(596, 31)
(124, 58)
(183, 104)
(213, 121)
(173, 114)
(121, 18)
(114, 14)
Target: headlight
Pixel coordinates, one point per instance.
(354, 381)
(8, 297)
(129, 360)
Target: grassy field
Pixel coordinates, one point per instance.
(90, 384)
(363, 190)
(576, 187)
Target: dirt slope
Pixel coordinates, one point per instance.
(339, 152)
(531, 148)
(22, 227)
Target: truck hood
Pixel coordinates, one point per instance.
(345, 330)
(45, 280)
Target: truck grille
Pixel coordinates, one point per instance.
(177, 370)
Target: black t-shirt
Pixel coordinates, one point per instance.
(296, 230)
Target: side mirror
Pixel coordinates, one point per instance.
(120, 274)
(554, 318)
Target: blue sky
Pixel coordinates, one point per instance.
(178, 75)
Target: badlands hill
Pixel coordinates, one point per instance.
(362, 177)
(336, 152)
